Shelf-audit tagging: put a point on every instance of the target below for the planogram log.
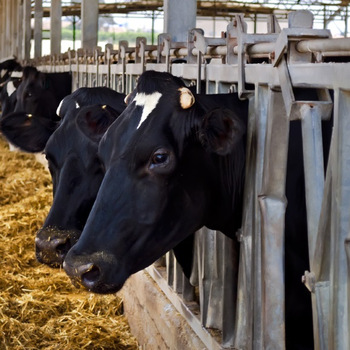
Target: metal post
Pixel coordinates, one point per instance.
(55, 31)
(38, 24)
(339, 335)
(273, 204)
(19, 29)
(27, 32)
(184, 11)
(89, 23)
(248, 332)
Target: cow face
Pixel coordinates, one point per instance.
(163, 181)
(76, 175)
(8, 95)
(34, 117)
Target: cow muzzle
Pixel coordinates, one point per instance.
(94, 272)
(52, 245)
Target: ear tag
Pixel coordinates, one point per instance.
(186, 98)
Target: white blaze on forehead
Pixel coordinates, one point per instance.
(77, 105)
(148, 102)
(10, 88)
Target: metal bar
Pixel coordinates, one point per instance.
(248, 333)
(314, 169)
(273, 203)
(324, 45)
(339, 335)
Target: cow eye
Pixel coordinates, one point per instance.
(162, 159)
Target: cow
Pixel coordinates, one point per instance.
(7, 66)
(62, 228)
(173, 163)
(37, 98)
(72, 160)
(170, 169)
(76, 175)
(8, 94)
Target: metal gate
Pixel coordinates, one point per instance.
(264, 68)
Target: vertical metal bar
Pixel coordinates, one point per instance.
(314, 169)
(339, 335)
(89, 23)
(56, 27)
(38, 27)
(311, 119)
(228, 251)
(19, 41)
(320, 268)
(248, 332)
(26, 30)
(273, 205)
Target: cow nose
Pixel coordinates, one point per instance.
(51, 246)
(85, 274)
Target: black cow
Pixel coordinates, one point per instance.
(37, 98)
(171, 167)
(76, 172)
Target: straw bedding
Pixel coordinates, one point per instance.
(39, 307)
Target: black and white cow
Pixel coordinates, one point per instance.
(76, 175)
(175, 162)
(7, 66)
(76, 172)
(37, 98)
(8, 94)
(8, 88)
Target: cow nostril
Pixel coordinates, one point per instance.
(63, 248)
(91, 276)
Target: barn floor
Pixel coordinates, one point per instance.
(39, 307)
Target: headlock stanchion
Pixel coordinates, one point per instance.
(268, 70)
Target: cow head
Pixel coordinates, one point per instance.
(76, 175)
(34, 115)
(173, 163)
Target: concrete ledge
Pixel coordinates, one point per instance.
(153, 319)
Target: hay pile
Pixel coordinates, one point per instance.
(39, 307)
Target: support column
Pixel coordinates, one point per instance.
(14, 27)
(27, 32)
(179, 18)
(89, 23)
(55, 31)
(8, 27)
(2, 28)
(38, 27)
(19, 40)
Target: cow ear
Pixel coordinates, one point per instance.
(26, 131)
(221, 129)
(94, 121)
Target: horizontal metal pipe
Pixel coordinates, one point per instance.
(326, 45)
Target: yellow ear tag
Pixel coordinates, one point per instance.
(186, 98)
